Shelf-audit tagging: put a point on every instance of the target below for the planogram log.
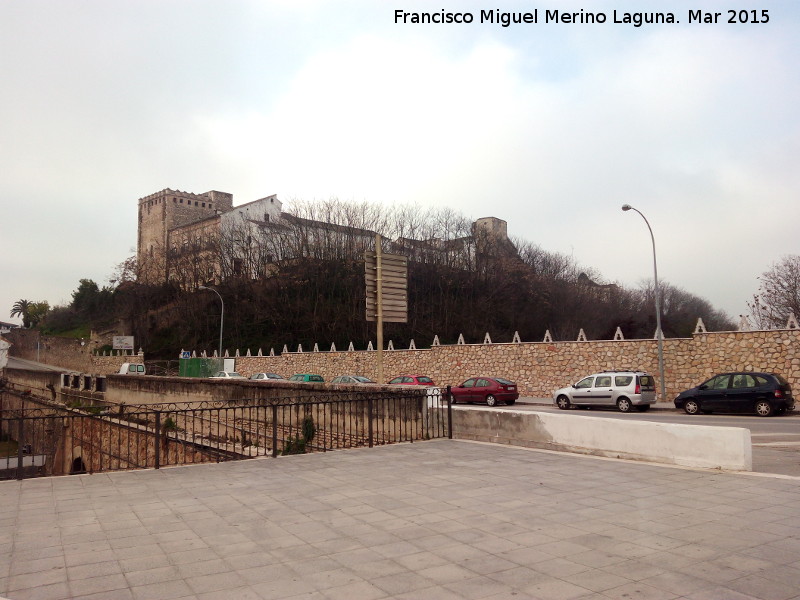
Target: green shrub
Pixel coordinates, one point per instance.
(297, 444)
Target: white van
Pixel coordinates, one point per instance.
(131, 369)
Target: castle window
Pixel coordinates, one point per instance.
(195, 202)
(175, 200)
(204, 204)
(181, 200)
(237, 266)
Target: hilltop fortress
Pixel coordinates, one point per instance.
(196, 239)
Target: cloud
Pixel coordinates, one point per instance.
(550, 128)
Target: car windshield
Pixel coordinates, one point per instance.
(424, 379)
(362, 379)
(502, 381)
(235, 374)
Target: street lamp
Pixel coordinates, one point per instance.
(659, 333)
(221, 314)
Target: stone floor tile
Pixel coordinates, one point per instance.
(765, 589)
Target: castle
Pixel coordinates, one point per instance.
(195, 239)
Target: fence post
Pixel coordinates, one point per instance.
(449, 414)
(20, 444)
(274, 431)
(158, 439)
(369, 421)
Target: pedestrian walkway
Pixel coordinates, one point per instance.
(441, 519)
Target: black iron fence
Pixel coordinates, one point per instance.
(42, 438)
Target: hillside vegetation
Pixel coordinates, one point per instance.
(313, 291)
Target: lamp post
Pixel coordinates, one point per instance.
(221, 314)
(659, 333)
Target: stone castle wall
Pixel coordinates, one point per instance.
(539, 368)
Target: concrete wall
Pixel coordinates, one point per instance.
(726, 448)
(539, 368)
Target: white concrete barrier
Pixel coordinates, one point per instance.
(703, 446)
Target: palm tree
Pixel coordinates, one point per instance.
(22, 309)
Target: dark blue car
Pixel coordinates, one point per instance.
(764, 394)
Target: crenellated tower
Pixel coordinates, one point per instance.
(162, 211)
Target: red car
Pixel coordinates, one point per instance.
(485, 389)
(412, 380)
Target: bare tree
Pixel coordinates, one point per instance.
(778, 295)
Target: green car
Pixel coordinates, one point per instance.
(307, 377)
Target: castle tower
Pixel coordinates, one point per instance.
(163, 211)
(491, 227)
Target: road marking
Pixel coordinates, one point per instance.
(778, 444)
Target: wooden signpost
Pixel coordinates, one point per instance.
(386, 277)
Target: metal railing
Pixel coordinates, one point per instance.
(42, 438)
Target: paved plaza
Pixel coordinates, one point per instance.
(433, 520)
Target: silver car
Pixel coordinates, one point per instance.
(623, 389)
(352, 379)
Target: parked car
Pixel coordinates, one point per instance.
(307, 377)
(352, 379)
(131, 369)
(227, 375)
(262, 376)
(485, 389)
(412, 380)
(764, 394)
(623, 389)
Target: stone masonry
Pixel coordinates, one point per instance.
(539, 368)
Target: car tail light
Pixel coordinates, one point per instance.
(638, 389)
(779, 393)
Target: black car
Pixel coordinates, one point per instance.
(744, 392)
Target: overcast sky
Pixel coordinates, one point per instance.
(549, 126)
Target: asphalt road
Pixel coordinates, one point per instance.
(21, 363)
(776, 440)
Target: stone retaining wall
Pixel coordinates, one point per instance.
(67, 353)
(539, 368)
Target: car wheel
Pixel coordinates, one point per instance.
(643, 407)
(563, 402)
(624, 405)
(491, 400)
(511, 402)
(691, 407)
(763, 408)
